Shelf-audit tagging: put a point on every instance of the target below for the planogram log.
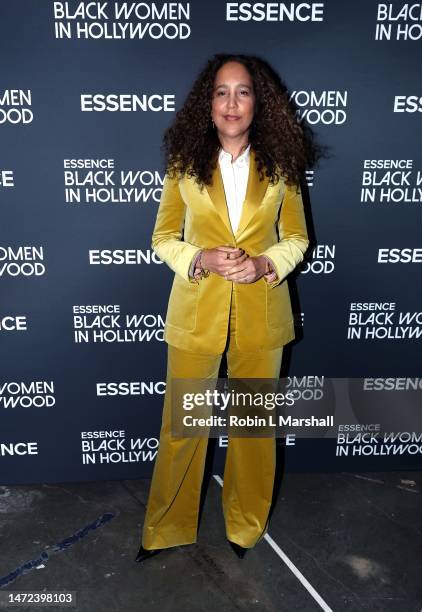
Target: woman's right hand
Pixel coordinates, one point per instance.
(216, 259)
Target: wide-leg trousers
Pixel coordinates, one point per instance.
(173, 504)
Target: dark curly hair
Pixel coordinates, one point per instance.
(283, 146)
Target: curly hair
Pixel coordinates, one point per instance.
(282, 145)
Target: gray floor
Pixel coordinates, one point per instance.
(356, 539)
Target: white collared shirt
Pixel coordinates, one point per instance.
(235, 180)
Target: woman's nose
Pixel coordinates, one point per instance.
(232, 101)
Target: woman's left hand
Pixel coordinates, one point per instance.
(248, 271)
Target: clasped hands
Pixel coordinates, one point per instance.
(234, 264)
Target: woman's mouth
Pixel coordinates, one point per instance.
(231, 117)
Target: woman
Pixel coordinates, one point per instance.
(231, 226)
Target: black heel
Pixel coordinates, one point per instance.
(239, 550)
(144, 554)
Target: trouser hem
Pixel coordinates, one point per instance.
(160, 540)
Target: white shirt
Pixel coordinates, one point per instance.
(235, 180)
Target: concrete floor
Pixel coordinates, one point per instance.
(349, 541)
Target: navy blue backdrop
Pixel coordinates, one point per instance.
(86, 92)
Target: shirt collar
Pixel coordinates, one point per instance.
(241, 161)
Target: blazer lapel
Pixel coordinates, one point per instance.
(218, 197)
(255, 192)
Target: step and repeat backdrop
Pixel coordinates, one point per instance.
(86, 92)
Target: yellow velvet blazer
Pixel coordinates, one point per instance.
(272, 223)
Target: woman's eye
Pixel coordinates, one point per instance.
(243, 92)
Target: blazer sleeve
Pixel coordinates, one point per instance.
(168, 230)
(289, 251)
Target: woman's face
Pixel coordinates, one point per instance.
(233, 101)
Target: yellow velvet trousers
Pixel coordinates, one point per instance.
(173, 504)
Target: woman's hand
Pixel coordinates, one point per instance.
(221, 259)
(234, 264)
(248, 270)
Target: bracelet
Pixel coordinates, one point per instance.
(204, 271)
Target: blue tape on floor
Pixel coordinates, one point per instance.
(60, 546)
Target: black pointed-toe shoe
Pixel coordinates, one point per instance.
(144, 554)
(239, 550)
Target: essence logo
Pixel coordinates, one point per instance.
(408, 104)
(387, 181)
(274, 11)
(13, 323)
(105, 323)
(400, 255)
(107, 447)
(127, 102)
(122, 257)
(19, 449)
(382, 321)
(97, 181)
(131, 388)
(6, 178)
